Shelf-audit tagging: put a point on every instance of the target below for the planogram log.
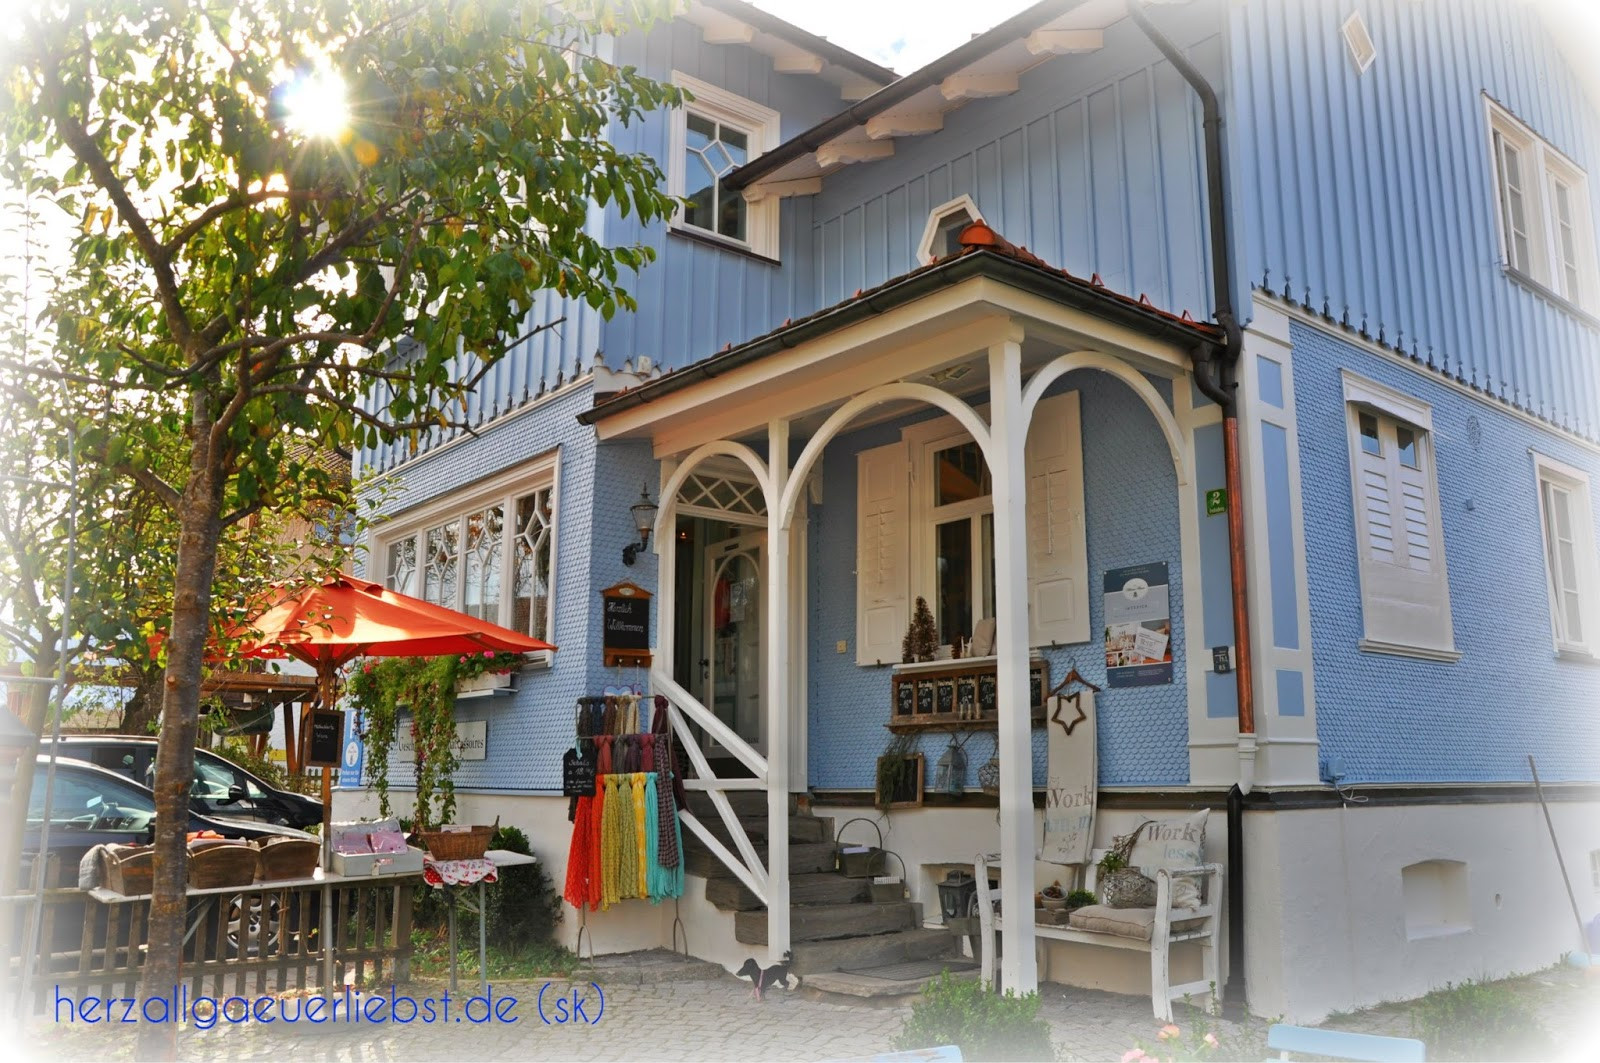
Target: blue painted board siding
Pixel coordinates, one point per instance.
(1375, 192)
(696, 298)
(1131, 503)
(1398, 719)
(1094, 165)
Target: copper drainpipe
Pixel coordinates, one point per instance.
(1216, 375)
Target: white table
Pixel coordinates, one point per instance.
(500, 858)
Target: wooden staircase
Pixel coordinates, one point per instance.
(834, 923)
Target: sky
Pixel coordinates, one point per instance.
(898, 34)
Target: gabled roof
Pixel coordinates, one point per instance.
(987, 65)
(792, 49)
(984, 252)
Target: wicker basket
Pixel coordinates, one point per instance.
(282, 858)
(128, 869)
(215, 865)
(1127, 887)
(869, 864)
(469, 844)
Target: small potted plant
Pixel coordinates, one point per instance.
(1079, 899)
(1053, 897)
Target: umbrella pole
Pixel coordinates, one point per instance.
(325, 694)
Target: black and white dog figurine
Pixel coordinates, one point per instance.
(777, 975)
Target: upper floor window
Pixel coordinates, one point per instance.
(1542, 201)
(1405, 590)
(491, 555)
(713, 135)
(941, 237)
(1567, 519)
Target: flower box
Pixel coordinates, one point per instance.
(489, 684)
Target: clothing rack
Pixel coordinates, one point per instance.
(626, 789)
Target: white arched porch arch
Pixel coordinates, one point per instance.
(725, 448)
(966, 415)
(1105, 363)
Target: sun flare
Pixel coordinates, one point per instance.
(315, 105)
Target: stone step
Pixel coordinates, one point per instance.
(729, 894)
(744, 802)
(804, 858)
(877, 950)
(801, 828)
(824, 922)
(871, 985)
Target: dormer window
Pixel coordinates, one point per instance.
(942, 236)
(713, 135)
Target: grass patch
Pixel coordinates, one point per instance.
(1481, 1021)
(525, 962)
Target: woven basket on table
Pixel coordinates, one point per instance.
(128, 869)
(1127, 887)
(219, 864)
(469, 844)
(285, 858)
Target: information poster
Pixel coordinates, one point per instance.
(1138, 626)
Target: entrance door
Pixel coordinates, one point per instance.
(734, 571)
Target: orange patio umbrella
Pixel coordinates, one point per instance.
(331, 623)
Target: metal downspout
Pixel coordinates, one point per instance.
(1217, 380)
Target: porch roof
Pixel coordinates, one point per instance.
(984, 254)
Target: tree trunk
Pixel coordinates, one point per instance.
(144, 707)
(35, 709)
(200, 526)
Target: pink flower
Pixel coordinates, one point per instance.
(1134, 1055)
(1210, 1039)
(1168, 1032)
(489, 654)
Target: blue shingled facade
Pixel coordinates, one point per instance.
(1395, 719)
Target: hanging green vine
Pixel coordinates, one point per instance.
(426, 687)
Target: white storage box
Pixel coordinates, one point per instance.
(358, 865)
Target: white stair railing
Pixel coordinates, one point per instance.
(683, 709)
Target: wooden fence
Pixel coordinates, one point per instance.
(239, 941)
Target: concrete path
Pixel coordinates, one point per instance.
(658, 1009)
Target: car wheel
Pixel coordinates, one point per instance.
(245, 916)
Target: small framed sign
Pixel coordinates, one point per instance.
(325, 739)
(625, 625)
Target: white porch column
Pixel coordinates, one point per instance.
(666, 547)
(1008, 431)
(777, 649)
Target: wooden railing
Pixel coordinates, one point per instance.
(684, 709)
(261, 939)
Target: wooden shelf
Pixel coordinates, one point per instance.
(959, 695)
(918, 724)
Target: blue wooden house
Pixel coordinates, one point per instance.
(1294, 306)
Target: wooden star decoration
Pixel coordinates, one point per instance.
(1067, 725)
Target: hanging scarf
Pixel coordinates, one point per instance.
(656, 875)
(596, 866)
(580, 861)
(666, 820)
(611, 846)
(640, 836)
(627, 841)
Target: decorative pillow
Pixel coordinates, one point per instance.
(1169, 844)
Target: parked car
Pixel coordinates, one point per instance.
(220, 788)
(93, 806)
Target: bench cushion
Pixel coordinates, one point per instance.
(1132, 923)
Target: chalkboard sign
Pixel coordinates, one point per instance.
(625, 625)
(577, 775)
(326, 739)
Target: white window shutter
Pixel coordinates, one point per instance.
(882, 553)
(1058, 557)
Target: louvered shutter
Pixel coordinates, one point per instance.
(882, 552)
(1058, 560)
(1404, 584)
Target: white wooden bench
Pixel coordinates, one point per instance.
(1166, 928)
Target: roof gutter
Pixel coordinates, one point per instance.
(766, 22)
(967, 266)
(1216, 375)
(898, 92)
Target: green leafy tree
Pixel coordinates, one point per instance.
(242, 284)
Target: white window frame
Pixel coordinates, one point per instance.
(1367, 396)
(761, 123)
(542, 472)
(925, 441)
(1543, 168)
(962, 204)
(1549, 471)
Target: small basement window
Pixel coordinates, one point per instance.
(942, 235)
(1436, 899)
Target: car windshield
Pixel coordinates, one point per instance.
(85, 801)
